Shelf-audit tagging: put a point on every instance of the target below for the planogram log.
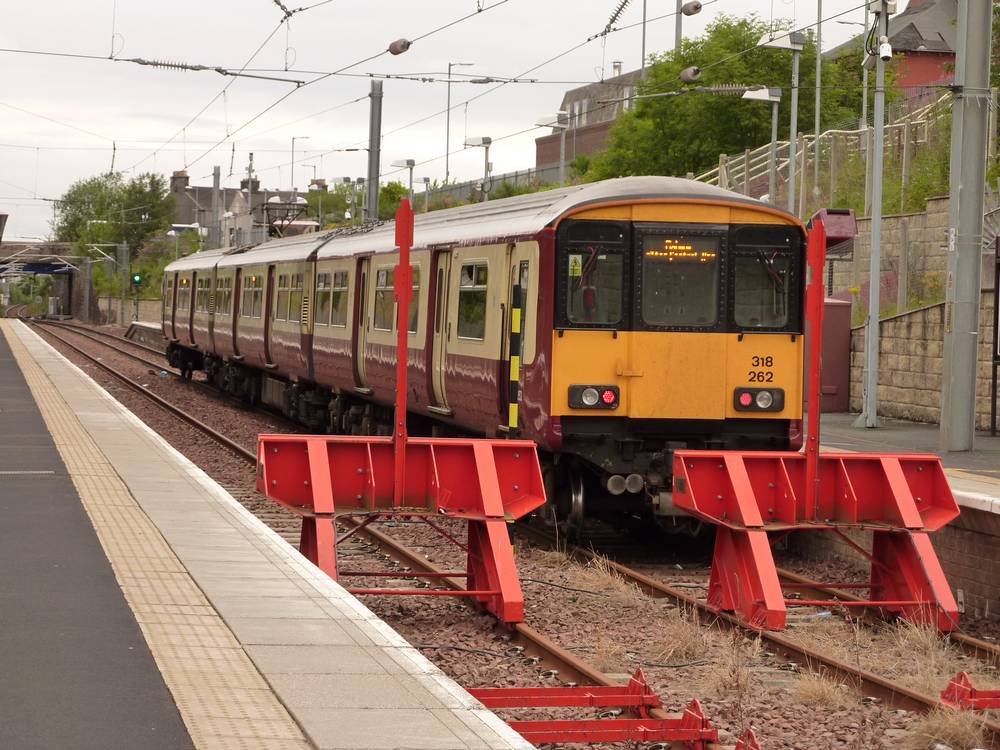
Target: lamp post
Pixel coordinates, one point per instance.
(795, 41)
(296, 138)
(774, 97)
(819, 95)
(483, 142)
(447, 127)
(427, 192)
(407, 164)
(560, 122)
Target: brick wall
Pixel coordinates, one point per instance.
(150, 310)
(910, 364)
(925, 236)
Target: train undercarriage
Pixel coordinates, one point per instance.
(614, 469)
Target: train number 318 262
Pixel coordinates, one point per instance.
(761, 375)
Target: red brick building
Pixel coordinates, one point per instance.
(592, 110)
(923, 45)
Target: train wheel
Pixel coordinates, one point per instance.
(564, 498)
(577, 510)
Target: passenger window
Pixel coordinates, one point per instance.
(472, 287)
(281, 299)
(184, 294)
(339, 311)
(295, 298)
(253, 296)
(258, 296)
(415, 302)
(384, 303)
(322, 299)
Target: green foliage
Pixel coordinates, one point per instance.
(389, 197)
(333, 202)
(109, 209)
(506, 189)
(686, 133)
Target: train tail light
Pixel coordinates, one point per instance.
(594, 396)
(759, 399)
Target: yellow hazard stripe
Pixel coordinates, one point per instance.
(512, 416)
(515, 367)
(515, 320)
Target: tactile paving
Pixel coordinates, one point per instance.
(224, 701)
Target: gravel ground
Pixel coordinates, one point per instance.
(582, 607)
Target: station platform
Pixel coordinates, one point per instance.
(974, 476)
(142, 606)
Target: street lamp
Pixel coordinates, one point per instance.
(407, 164)
(447, 127)
(483, 142)
(794, 41)
(296, 138)
(689, 8)
(773, 96)
(427, 192)
(561, 123)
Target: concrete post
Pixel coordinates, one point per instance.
(86, 282)
(819, 95)
(123, 260)
(969, 130)
(772, 179)
(215, 231)
(834, 140)
(903, 272)
(803, 149)
(905, 180)
(746, 172)
(374, 148)
(869, 145)
(793, 132)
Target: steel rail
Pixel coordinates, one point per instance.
(896, 695)
(104, 334)
(549, 654)
(92, 335)
(239, 450)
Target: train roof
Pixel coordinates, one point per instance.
(480, 223)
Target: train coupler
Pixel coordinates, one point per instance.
(756, 497)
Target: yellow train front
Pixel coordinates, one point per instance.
(677, 323)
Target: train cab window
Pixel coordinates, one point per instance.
(472, 287)
(295, 297)
(322, 315)
(760, 290)
(338, 313)
(415, 301)
(592, 270)
(281, 298)
(680, 280)
(384, 302)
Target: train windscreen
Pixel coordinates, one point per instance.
(680, 281)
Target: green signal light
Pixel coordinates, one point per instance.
(137, 278)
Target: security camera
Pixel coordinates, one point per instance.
(884, 49)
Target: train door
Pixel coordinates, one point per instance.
(514, 329)
(192, 304)
(439, 349)
(361, 325)
(213, 303)
(268, 314)
(170, 298)
(237, 303)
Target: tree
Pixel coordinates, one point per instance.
(686, 133)
(389, 197)
(335, 202)
(107, 209)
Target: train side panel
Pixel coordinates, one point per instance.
(290, 341)
(333, 322)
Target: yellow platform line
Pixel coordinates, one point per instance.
(222, 698)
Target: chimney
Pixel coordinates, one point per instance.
(616, 68)
(179, 180)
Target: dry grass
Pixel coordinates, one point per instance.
(682, 637)
(555, 557)
(610, 655)
(732, 673)
(959, 730)
(599, 575)
(923, 657)
(816, 690)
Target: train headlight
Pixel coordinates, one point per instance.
(759, 399)
(594, 396)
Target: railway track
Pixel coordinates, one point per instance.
(535, 644)
(870, 683)
(550, 655)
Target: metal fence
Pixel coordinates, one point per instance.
(471, 189)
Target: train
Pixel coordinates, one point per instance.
(612, 323)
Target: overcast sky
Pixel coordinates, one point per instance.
(93, 104)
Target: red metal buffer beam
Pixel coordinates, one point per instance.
(749, 495)
(961, 694)
(484, 483)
